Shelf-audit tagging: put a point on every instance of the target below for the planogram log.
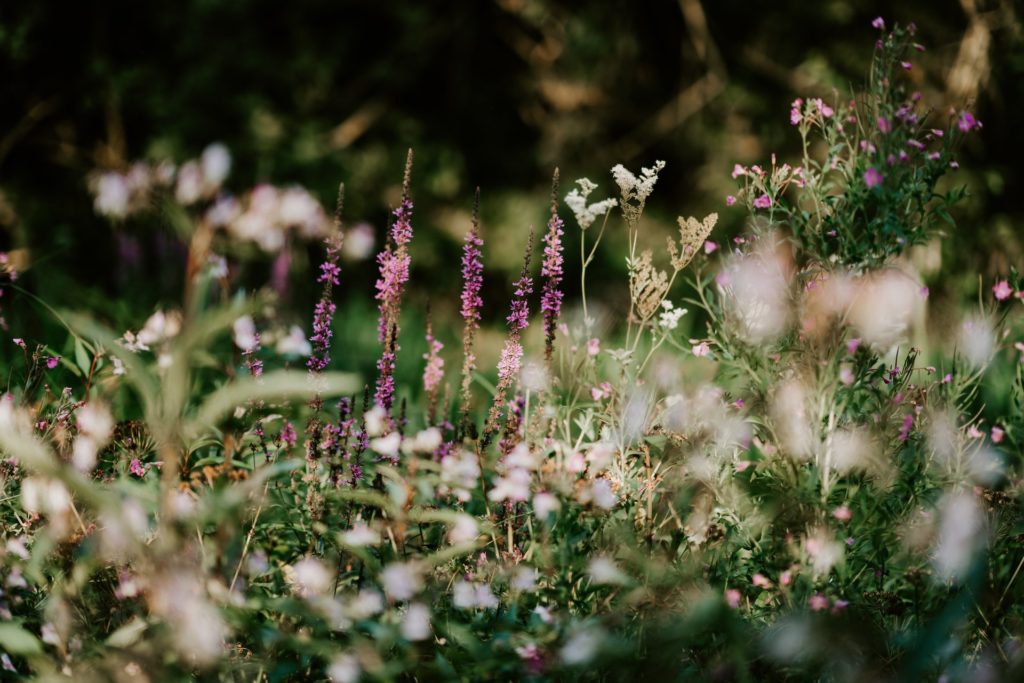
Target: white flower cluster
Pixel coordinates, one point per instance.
(585, 213)
(514, 483)
(669, 318)
(636, 189)
(267, 213)
(118, 194)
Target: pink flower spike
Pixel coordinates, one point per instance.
(730, 200)
(1002, 290)
(52, 361)
(763, 202)
(710, 247)
(878, 23)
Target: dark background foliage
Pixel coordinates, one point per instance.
(490, 94)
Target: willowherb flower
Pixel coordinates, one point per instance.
(384, 394)
(551, 269)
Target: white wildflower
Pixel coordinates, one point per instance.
(416, 622)
(586, 214)
(245, 335)
(401, 580)
(294, 343)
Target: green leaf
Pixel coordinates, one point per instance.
(18, 641)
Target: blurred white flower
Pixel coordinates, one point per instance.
(883, 307)
(544, 504)
(792, 417)
(599, 493)
(416, 622)
(466, 595)
(309, 577)
(387, 445)
(344, 668)
(359, 242)
(961, 535)
(513, 486)
(360, 535)
(376, 421)
(245, 333)
(757, 289)
(464, 530)
(189, 189)
(525, 578)
(603, 570)
(215, 164)
(294, 343)
(112, 195)
(977, 341)
(401, 580)
(366, 603)
(44, 496)
(581, 647)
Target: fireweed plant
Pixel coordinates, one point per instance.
(798, 494)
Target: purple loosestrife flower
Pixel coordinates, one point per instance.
(394, 261)
(551, 269)
(512, 352)
(762, 202)
(323, 313)
(384, 395)
(472, 283)
(433, 372)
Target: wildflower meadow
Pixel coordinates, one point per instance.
(758, 456)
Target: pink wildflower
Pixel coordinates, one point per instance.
(883, 125)
(872, 177)
(763, 202)
(1002, 290)
(136, 468)
(730, 200)
(967, 122)
(710, 247)
(732, 598)
(879, 23)
(842, 513)
(818, 602)
(997, 434)
(52, 361)
(853, 345)
(738, 170)
(551, 269)
(594, 347)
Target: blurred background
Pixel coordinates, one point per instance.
(494, 94)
